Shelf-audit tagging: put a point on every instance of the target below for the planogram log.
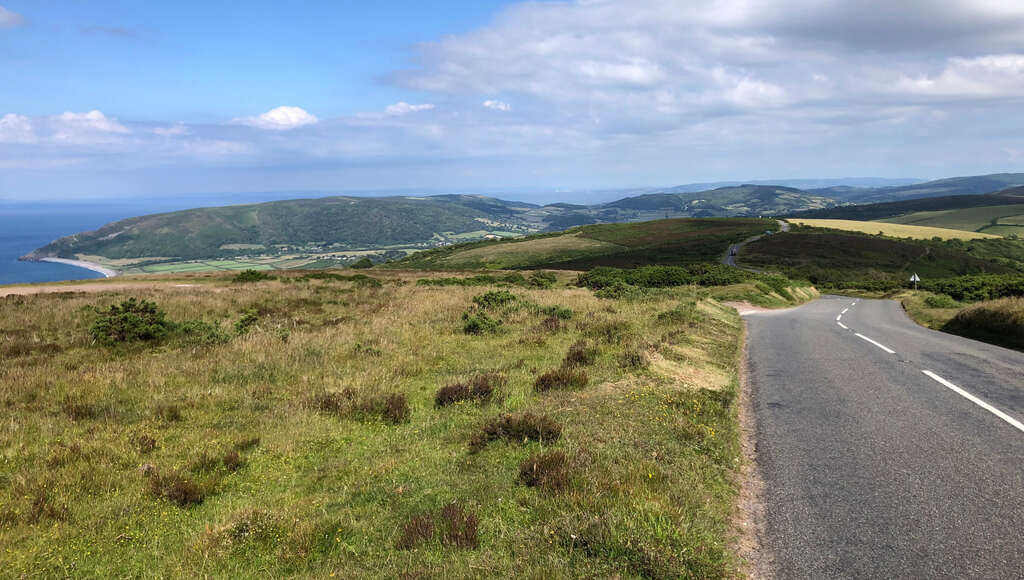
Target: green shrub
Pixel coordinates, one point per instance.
(940, 301)
(362, 264)
(494, 299)
(251, 276)
(199, 333)
(480, 323)
(618, 290)
(130, 321)
(542, 280)
(247, 321)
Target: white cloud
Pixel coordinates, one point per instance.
(280, 119)
(9, 19)
(497, 105)
(16, 129)
(989, 76)
(88, 128)
(403, 108)
(175, 130)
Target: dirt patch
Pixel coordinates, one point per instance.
(688, 375)
(750, 518)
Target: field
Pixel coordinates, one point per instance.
(896, 230)
(295, 427)
(623, 245)
(1001, 220)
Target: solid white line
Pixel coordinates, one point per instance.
(879, 345)
(976, 400)
(843, 325)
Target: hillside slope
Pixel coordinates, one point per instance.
(625, 245)
(878, 211)
(969, 185)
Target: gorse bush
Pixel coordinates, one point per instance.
(480, 323)
(557, 312)
(542, 280)
(130, 321)
(977, 287)
(248, 319)
(198, 333)
(663, 276)
(494, 299)
(251, 276)
(361, 264)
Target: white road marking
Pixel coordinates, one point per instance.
(975, 400)
(844, 310)
(878, 344)
(843, 325)
(840, 317)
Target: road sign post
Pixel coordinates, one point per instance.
(915, 279)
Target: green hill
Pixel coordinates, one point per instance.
(970, 185)
(626, 245)
(879, 211)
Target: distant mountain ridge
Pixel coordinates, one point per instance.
(395, 226)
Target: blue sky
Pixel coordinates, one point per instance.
(104, 99)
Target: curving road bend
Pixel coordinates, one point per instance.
(887, 450)
(729, 259)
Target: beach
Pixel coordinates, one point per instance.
(107, 272)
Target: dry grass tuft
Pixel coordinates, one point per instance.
(548, 470)
(561, 379)
(480, 388)
(580, 354)
(518, 428)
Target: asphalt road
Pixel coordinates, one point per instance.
(874, 469)
(729, 259)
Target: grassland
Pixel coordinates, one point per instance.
(895, 230)
(1000, 220)
(299, 431)
(623, 245)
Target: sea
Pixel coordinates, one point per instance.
(28, 225)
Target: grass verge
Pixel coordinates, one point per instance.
(317, 442)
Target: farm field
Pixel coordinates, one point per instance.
(999, 219)
(896, 230)
(301, 427)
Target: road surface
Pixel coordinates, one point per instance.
(887, 450)
(729, 259)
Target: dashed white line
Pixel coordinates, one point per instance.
(844, 327)
(878, 344)
(840, 317)
(975, 400)
(844, 310)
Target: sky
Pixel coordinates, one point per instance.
(135, 99)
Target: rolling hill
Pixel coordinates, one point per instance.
(975, 184)
(878, 211)
(338, 227)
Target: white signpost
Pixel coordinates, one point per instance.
(915, 279)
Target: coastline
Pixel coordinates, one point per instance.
(107, 272)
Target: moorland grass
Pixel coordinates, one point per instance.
(286, 450)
